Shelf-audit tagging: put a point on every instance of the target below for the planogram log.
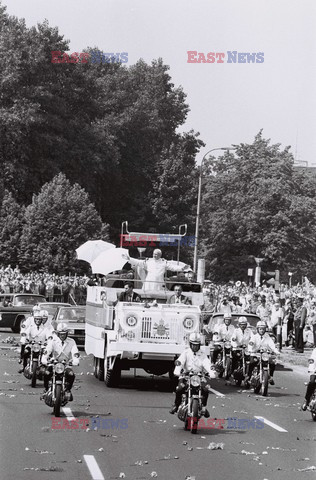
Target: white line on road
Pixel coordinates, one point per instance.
(67, 411)
(271, 424)
(219, 394)
(93, 467)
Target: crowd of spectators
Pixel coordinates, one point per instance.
(269, 305)
(61, 288)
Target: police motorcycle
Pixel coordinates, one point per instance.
(259, 380)
(312, 406)
(190, 409)
(311, 388)
(57, 396)
(34, 369)
(242, 365)
(223, 364)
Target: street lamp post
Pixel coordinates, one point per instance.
(199, 204)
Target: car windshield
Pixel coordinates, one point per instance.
(27, 299)
(72, 315)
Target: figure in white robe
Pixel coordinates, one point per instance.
(152, 270)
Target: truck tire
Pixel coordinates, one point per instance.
(112, 377)
(99, 368)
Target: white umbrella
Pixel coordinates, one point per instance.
(89, 250)
(109, 261)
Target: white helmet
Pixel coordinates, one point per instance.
(36, 308)
(261, 324)
(242, 321)
(44, 315)
(195, 338)
(62, 329)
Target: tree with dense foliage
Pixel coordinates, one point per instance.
(256, 205)
(60, 219)
(106, 126)
(11, 222)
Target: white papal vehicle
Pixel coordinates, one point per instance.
(149, 334)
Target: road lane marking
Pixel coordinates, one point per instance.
(93, 467)
(271, 424)
(67, 411)
(219, 394)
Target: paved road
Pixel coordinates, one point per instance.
(154, 440)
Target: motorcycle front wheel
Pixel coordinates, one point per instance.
(57, 400)
(265, 383)
(228, 368)
(34, 372)
(195, 415)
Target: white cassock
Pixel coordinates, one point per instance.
(152, 271)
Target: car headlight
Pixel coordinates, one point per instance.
(36, 348)
(131, 321)
(311, 360)
(71, 332)
(265, 357)
(195, 381)
(227, 344)
(188, 322)
(59, 368)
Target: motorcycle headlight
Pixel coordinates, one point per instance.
(188, 322)
(36, 348)
(227, 344)
(59, 368)
(195, 381)
(131, 321)
(265, 357)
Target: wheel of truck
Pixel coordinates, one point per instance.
(99, 368)
(17, 324)
(113, 376)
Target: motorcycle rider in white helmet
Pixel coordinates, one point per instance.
(24, 325)
(35, 332)
(242, 336)
(262, 340)
(224, 333)
(60, 348)
(311, 386)
(192, 360)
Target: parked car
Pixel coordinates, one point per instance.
(16, 307)
(74, 317)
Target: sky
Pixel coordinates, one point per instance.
(229, 102)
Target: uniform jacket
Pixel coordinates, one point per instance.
(194, 362)
(67, 351)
